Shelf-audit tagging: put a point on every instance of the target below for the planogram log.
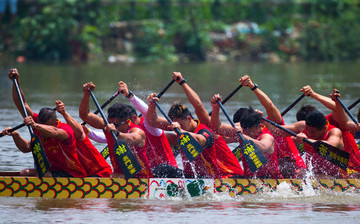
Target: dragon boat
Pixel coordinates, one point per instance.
(157, 188)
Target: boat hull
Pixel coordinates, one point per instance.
(156, 187)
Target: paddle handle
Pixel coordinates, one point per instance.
(21, 101)
(354, 104)
(230, 95)
(105, 104)
(347, 110)
(292, 105)
(166, 88)
(101, 112)
(229, 119)
(166, 116)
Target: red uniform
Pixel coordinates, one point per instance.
(158, 149)
(316, 163)
(205, 165)
(91, 159)
(62, 155)
(271, 168)
(228, 164)
(287, 148)
(139, 153)
(350, 145)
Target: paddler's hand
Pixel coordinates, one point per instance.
(177, 77)
(13, 73)
(151, 98)
(246, 81)
(60, 107)
(123, 89)
(88, 86)
(214, 102)
(334, 94)
(308, 91)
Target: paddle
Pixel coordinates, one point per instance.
(187, 143)
(41, 161)
(354, 104)
(252, 154)
(105, 104)
(336, 156)
(105, 151)
(125, 157)
(346, 109)
(230, 95)
(292, 105)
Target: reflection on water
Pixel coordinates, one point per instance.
(45, 83)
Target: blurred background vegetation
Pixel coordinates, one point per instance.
(182, 30)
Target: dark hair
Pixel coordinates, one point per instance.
(130, 110)
(358, 115)
(118, 110)
(247, 117)
(315, 119)
(304, 111)
(178, 110)
(46, 114)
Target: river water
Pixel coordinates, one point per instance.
(44, 83)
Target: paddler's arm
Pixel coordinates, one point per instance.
(22, 144)
(194, 99)
(152, 117)
(14, 73)
(272, 112)
(84, 110)
(78, 130)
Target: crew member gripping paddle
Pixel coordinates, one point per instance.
(41, 161)
(126, 159)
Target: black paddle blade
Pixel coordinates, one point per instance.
(105, 152)
(338, 157)
(128, 162)
(252, 154)
(237, 153)
(189, 146)
(41, 161)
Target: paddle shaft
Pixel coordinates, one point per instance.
(354, 104)
(229, 119)
(101, 112)
(287, 130)
(347, 110)
(105, 104)
(21, 102)
(292, 105)
(166, 116)
(230, 95)
(166, 88)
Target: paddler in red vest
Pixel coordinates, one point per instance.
(248, 122)
(317, 128)
(229, 166)
(205, 164)
(291, 165)
(124, 129)
(350, 145)
(158, 149)
(94, 163)
(57, 138)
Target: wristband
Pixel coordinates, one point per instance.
(182, 82)
(129, 95)
(255, 87)
(117, 133)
